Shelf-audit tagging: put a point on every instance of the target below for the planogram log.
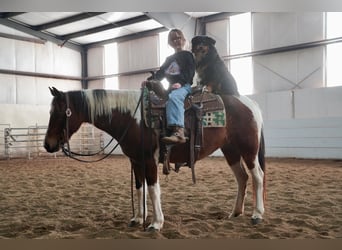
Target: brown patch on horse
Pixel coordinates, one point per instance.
(242, 131)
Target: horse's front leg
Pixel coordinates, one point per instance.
(154, 191)
(158, 216)
(138, 218)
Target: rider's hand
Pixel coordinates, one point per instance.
(176, 86)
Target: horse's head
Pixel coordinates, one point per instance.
(63, 121)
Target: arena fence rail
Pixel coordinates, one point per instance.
(28, 142)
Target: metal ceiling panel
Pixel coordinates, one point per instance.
(92, 22)
(118, 32)
(38, 18)
(142, 26)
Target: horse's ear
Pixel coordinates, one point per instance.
(55, 92)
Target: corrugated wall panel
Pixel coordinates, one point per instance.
(282, 71)
(304, 138)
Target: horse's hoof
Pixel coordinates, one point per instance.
(133, 223)
(256, 221)
(152, 229)
(234, 215)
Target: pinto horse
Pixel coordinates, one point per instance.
(113, 112)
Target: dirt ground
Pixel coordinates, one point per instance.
(50, 198)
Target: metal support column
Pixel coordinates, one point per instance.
(84, 63)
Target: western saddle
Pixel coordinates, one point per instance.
(202, 110)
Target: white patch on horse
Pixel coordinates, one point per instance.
(139, 215)
(102, 105)
(258, 176)
(254, 107)
(257, 173)
(158, 216)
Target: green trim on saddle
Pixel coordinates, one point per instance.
(214, 119)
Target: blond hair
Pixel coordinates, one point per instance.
(178, 31)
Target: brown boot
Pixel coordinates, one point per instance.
(177, 136)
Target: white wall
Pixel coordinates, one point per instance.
(304, 123)
(271, 30)
(25, 100)
(288, 70)
(135, 55)
(138, 54)
(318, 103)
(96, 66)
(315, 138)
(219, 30)
(282, 71)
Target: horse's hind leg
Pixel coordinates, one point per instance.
(258, 190)
(241, 176)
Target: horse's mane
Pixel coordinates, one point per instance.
(100, 102)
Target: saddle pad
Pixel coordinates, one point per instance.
(213, 110)
(209, 101)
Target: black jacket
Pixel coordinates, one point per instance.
(178, 68)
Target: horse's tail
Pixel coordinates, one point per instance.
(261, 158)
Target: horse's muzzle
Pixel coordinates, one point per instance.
(51, 148)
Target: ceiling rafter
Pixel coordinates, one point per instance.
(66, 20)
(127, 37)
(218, 16)
(41, 35)
(37, 31)
(10, 14)
(105, 27)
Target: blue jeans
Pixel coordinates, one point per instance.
(175, 106)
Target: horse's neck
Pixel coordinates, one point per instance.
(125, 130)
(108, 108)
(118, 125)
(113, 113)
